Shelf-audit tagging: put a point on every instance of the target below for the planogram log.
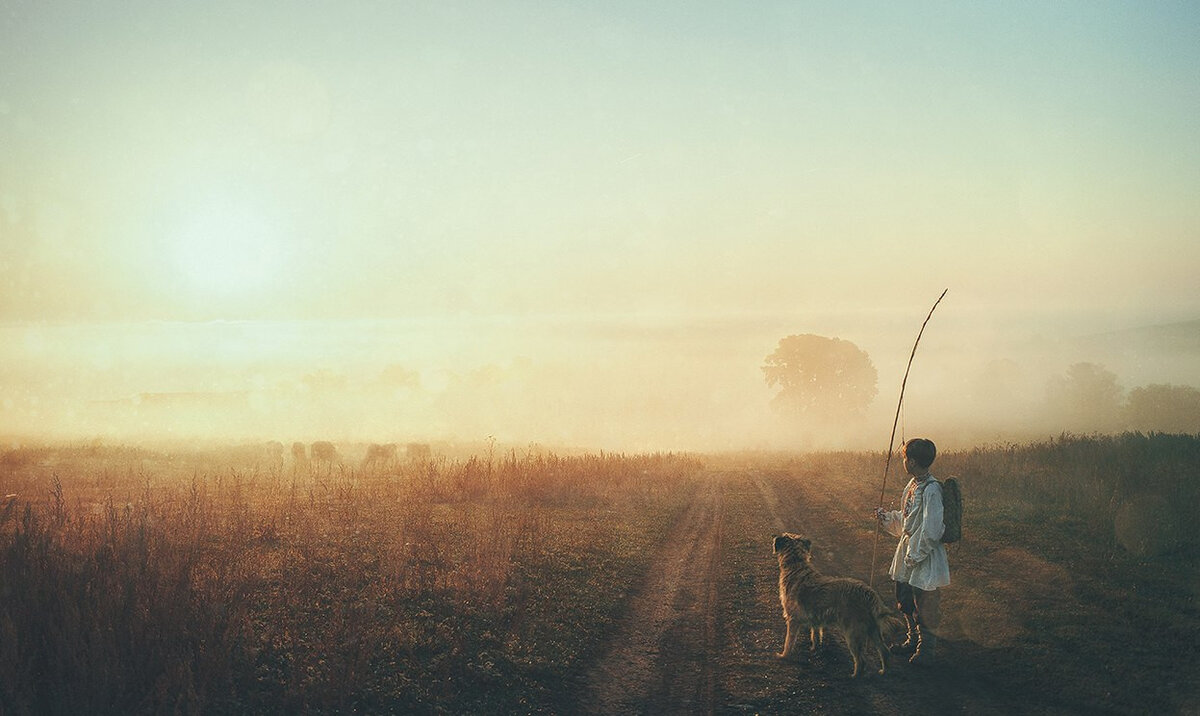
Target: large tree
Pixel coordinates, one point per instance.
(821, 377)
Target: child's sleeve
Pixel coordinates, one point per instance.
(892, 523)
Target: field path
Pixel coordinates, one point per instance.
(701, 633)
(660, 661)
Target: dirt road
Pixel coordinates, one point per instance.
(701, 634)
(661, 661)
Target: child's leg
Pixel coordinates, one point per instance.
(928, 603)
(906, 599)
(906, 603)
(929, 615)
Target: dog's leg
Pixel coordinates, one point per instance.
(816, 636)
(857, 645)
(789, 640)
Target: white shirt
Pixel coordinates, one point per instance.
(919, 526)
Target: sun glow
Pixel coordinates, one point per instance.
(226, 248)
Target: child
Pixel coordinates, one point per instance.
(919, 566)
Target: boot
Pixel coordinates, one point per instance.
(926, 646)
(909, 645)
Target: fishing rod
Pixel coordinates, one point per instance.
(892, 440)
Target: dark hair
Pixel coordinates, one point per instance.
(922, 451)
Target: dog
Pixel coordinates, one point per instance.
(848, 604)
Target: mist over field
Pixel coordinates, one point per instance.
(588, 225)
(649, 383)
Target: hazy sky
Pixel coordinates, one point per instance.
(289, 161)
(272, 159)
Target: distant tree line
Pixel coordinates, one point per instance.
(1090, 396)
(829, 379)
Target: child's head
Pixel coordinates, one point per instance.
(920, 451)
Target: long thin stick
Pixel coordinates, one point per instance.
(892, 439)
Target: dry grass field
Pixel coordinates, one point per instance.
(137, 581)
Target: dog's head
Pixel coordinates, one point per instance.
(794, 545)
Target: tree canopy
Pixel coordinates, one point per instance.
(821, 377)
(1164, 408)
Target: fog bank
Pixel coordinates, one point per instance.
(629, 383)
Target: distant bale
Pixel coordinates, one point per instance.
(380, 457)
(418, 452)
(274, 450)
(323, 451)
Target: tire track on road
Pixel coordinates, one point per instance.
(660, 660)
(770, 499)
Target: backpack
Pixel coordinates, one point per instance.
(951, 510)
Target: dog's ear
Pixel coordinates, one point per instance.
(807, 544)
(780, 540)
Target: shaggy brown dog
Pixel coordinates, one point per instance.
(843, 602)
